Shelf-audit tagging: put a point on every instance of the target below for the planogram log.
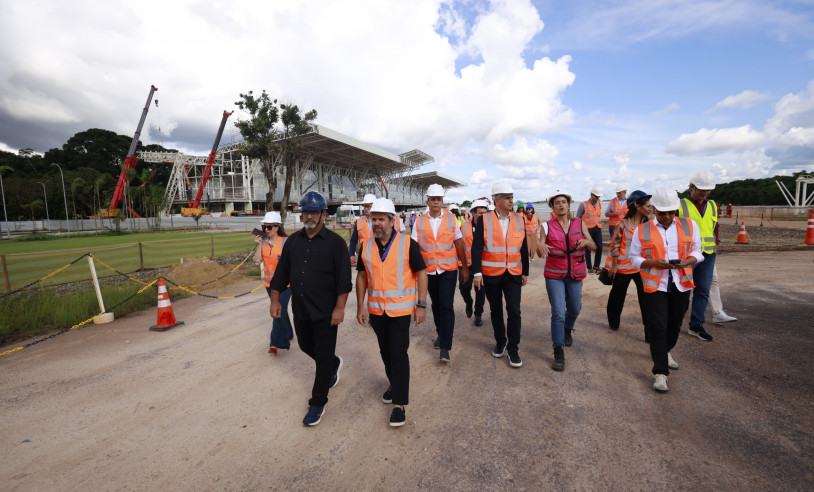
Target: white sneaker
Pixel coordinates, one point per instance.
(671, 363)
(722, 317)
(660, 383)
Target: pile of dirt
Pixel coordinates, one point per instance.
(204, 274)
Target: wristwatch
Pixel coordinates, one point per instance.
(421, 304)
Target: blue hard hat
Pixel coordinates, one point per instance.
(313, 200)
(529, 205)
(635, 197)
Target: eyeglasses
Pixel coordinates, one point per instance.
(314, 213)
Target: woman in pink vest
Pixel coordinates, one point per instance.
(563, 242)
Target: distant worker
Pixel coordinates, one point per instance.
(442, 246)
(664, 251)
(617, 208)
(729, 210)
(478, 208)
(532, 229)
(391, 272)
(704, 212)
(590, 211)
(500, 263)
(315, 263)
(268, 254)
(563, 242)
(361, 229)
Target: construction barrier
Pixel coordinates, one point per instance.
(810, 229)
(742, 239)
(166, 316)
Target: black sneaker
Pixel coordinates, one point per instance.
(437, 343)
(499, 351)
(700, 332)
(397, 417)
(335, 378)
(387, 397)
(444, 356)
(478, 320)
(559, 359)
(514, 360)
(314, 415)
(569, 340)
(468, 309)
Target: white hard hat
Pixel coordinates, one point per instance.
(621, 187)
(502, 188)
(490, 207)
(454, 206)
(703, 180)
(383, 205)
(272, 218)
(368, 198)
(435, 190)
(479, 203)
(552, 197)
(596, 191)
(665, 200)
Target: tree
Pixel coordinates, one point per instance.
(258, 136)
(291, 148)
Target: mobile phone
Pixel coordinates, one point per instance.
(257, 232)
(675, 262)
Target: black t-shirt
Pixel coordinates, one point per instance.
(416, 260)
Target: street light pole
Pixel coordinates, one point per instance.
(64, 196)
(5, 215)
(47, 217)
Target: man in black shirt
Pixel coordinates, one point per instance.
(315, 262)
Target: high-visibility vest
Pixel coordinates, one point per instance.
(623, 262)
(500, 255)
(391, 284)
(593, 214)
(618, 210)
(653, 249)
(467, 230)
(562, 261)
(532, 225)
(706, 223)
(270, 253)
(438, 252)
(364, 229)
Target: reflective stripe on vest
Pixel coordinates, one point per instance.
(438, 252)
(618, 210)
(706, 223)
(501, 254)
(391, 284)
(532, 224)
(271, 255)
(593, 214)
(623, 263)
(653, 249)
(364, 229)
(561, 260)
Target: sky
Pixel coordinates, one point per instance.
(548, 95)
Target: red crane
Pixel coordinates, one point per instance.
(211, 159)
(131, 160)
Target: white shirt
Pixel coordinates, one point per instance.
(435, 224)
(670, 238)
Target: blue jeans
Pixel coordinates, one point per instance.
(565, 296)
(702, 276)
(281, 330)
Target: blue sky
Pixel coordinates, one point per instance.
(549, 95)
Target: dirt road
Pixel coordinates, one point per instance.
(204, 407)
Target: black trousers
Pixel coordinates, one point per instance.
(596, 236)
(496, 289)
(393, 335)
(665, 313)
(618, 292)
(465, 288)
(317, 338)
(441, 288)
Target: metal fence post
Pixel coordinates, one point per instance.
(212, 243)
(140, 258)
(5, 273)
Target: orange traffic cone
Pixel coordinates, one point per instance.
(742, 239)
(166, 318)
(810, 228)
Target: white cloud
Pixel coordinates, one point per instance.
(480, 177)
(667, 109)
(717, 140)
(745, 99)
(578, 165)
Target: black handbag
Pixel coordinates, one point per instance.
(604, 277)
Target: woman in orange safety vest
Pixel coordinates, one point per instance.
(268, 254)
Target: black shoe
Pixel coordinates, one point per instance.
(478, 321)
(314, 416)
(444, 356)
(700, 332)
(499, 351)
(569, 340)
(397, 418)
(559, 359)
(514, 360)
(437, 343)
(387, 397)
(468, 309)
(335, 378)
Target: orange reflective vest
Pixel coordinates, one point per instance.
(653, 249)
(271, 255)
(438, 252)
(623, 262)
(391, 284)
(500, 255)
(532, 224)
(364, 229)
(593, 214)
(618, 210)
(466, 230)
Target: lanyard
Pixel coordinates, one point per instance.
(387, 249)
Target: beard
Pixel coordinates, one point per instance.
(378, 233)
(310, 223)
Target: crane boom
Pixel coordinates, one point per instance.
(211, 159)
(131, 160)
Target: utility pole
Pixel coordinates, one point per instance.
(64, 196)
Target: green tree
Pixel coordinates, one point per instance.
(289, 147)
(258, 134)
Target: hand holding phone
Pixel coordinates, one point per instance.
(675, 262)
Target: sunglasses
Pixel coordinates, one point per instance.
(268, 227)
